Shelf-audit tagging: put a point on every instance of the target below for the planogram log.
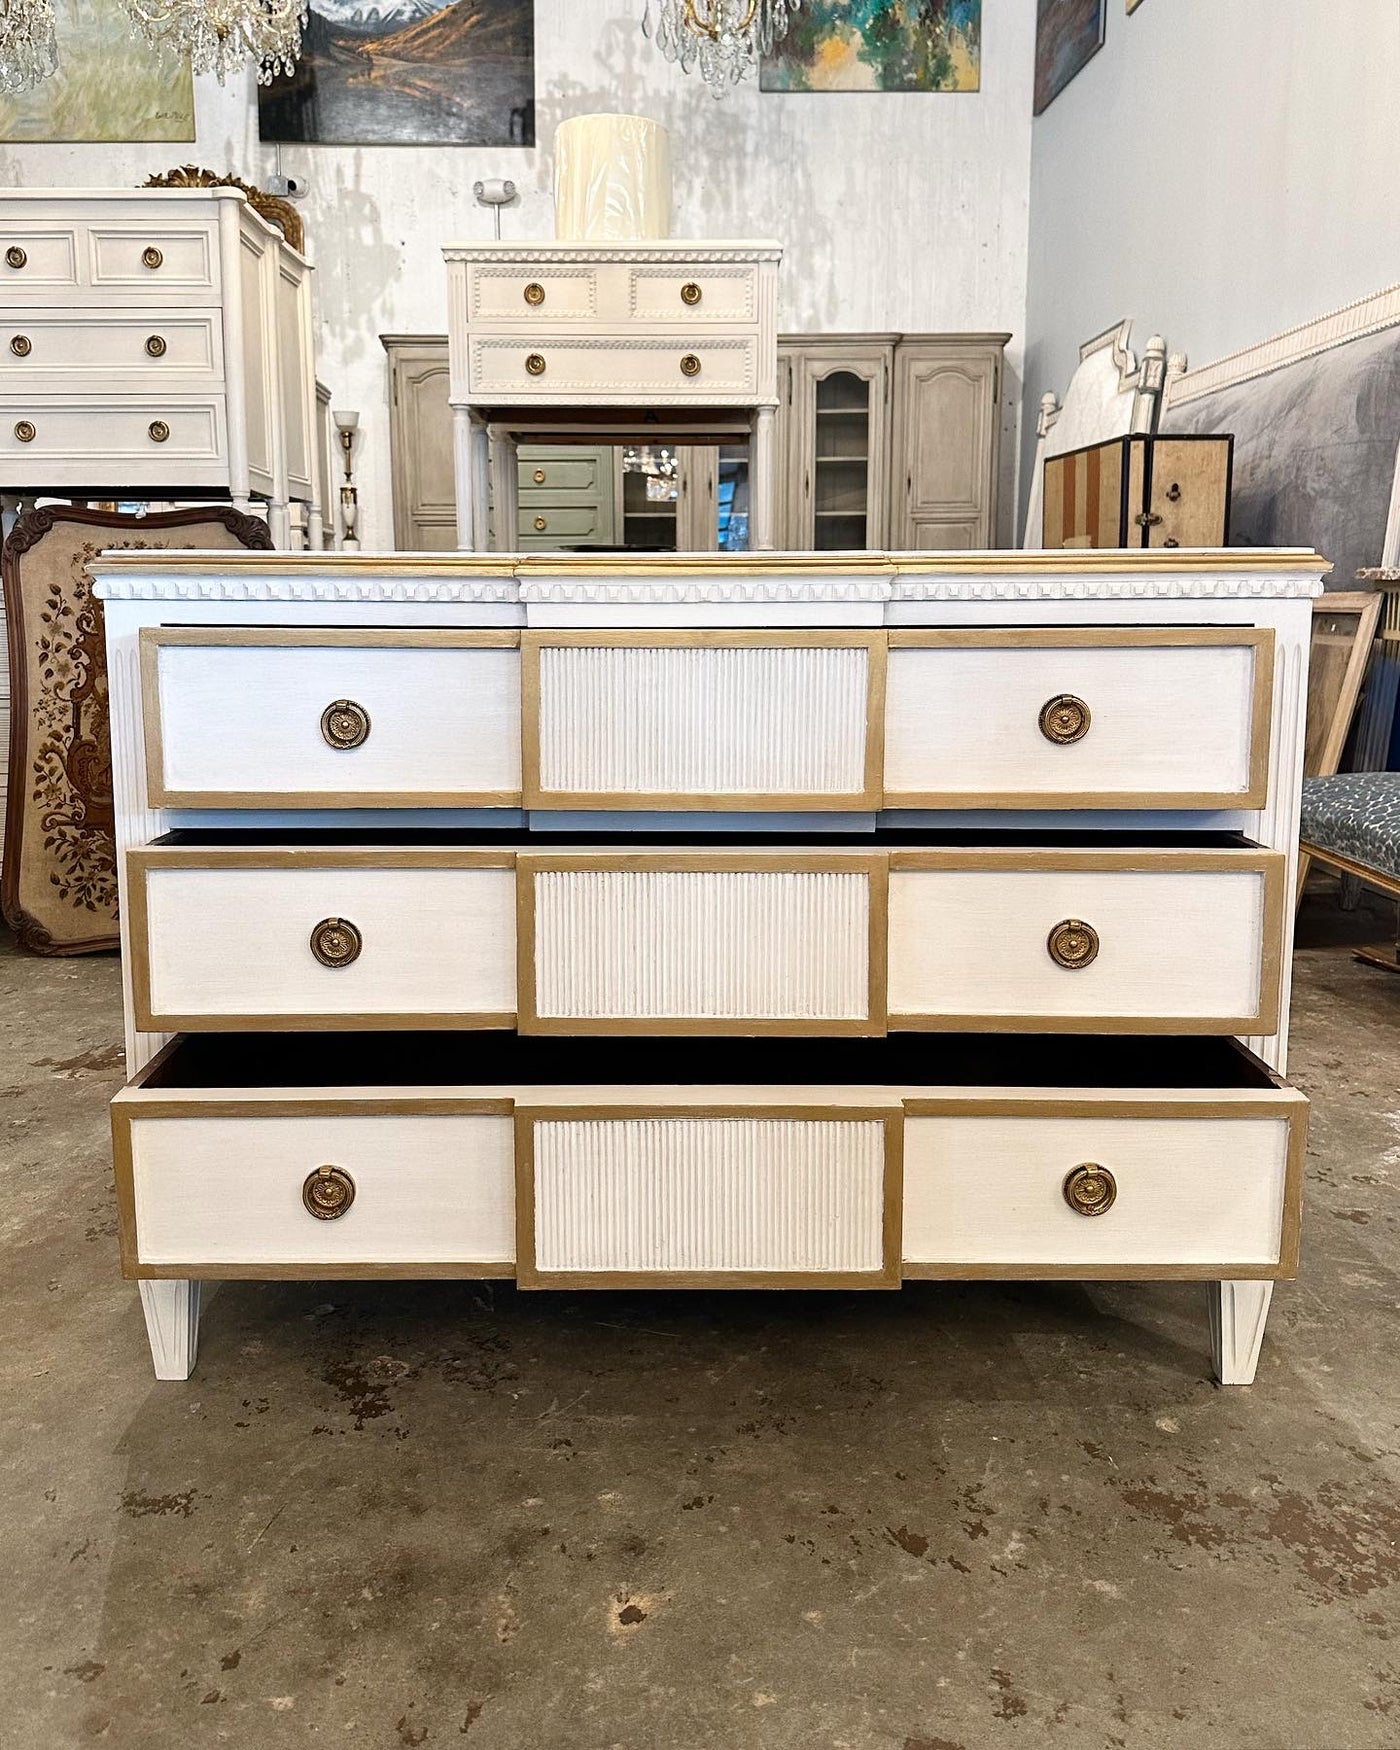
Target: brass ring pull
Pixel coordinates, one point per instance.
(159, 431)
(1064, 719)
(690, 365)
(539, 476)
(691, 294)
(26, 431)
(15, 256)
(1073, 944)
(344, 723)
(541, 524)
(1090, 1189)
(534, 294)
(336, 942)
(21, 345)
(155, 345)
(328, 1193)
(151, 256)
(534, 364)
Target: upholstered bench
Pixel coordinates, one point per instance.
(1351, 822)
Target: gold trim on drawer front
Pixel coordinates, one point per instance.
(1259, 638)
(153, 638)
(875, 864)
(866, 800)
(892, 1220)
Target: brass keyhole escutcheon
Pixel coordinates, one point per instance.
(541, 524)
(539, 476)
(1173, 492)
(15, 256)
(534, 364)
(328, 1193)
(159, 431)
(1064, 719)
(344, 723)
(21, 346)
(155, 345)
(151, 256)
(1073, 944)
(690, 365)
(534, 294)
(1090, 1189)
(26, 431)
(691, 294)
(336, 942)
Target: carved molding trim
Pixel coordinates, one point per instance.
(677, 591)
(677, 254)
(189, 587)
(1273, 586)
(271, 207)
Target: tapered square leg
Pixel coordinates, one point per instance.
(1238, 1312)
(172, 1326)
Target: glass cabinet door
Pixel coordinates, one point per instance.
(841, 463)
(839, 489)
(650, 475)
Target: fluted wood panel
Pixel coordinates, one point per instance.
(709, 1194)
(719, 943)
(708, 721)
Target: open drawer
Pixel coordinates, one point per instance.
(782, 1162)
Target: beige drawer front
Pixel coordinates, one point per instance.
(693, 295)
(218, 1188)
(1094, 717)
(156, 437)
(559, 522)
(153, 258)
(702, 942)
(258, 718)
(1203, 1184)
(800, 1195)
(614, 369)
(1100, 941)
(153, 346)
(703, 719)
(36, 260)
(327, 938)
(535, 297)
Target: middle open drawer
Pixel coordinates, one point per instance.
(762, 937)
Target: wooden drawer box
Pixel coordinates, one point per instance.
(51, 349)
(1088, 717)
(613, 370)
(703, 719)
(788, 1162)
(245, 717)
(162, 438)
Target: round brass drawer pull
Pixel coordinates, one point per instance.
(691, 294)
(155, 345)
(1090, 1189)
(1073, 944)
(151, 256)
(159, 431)
(15, 256)
(26, 431)
(1064, 719)
(344, 723)
(21, 345)
(534, 364)
(539, 476)
(534, 294)
(328, 1193)
(541, 524)
(336, 942)
(690, 365)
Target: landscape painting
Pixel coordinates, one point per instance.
(409, 73)
(1068, 33)
(109, 86)
(879, 45)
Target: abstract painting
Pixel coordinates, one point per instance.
(1068, 33)
(409, 73)
(879, 45)
(109, 86)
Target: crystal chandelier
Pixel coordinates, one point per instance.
(28, 48)
(724, 37)
(220, 36)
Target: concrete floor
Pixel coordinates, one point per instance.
(945, 1519)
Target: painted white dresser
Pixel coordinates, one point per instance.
(157, 343)
(589, 341)
(938, 904)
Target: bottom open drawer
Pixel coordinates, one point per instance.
(783, 1162)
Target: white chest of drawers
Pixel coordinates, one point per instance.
(157, 343)
(927, 897)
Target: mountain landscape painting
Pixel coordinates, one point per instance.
(409, 73)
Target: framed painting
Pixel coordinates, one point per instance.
(879, 45)
(109, 86)
(1068, 34)
(408, 73)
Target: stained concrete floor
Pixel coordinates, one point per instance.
(946, 1519)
